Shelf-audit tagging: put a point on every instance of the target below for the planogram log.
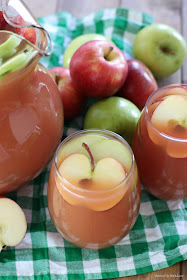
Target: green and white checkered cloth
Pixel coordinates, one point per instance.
(159, 237)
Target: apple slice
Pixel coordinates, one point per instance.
(13, 224)
(84, 173)
(110, 149)
(170, 116)
(108, 173)
(75, 146)
(8, 48)
(17, 62)
(79, 41)
(75, 168)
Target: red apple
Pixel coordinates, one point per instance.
(98, 69)
(139, 84)
(73, 101)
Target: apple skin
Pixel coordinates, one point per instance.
(161, 48)
(79, 41)
(98, 69)
(73, 102)
(28, 33)
(116, 114)
(139, 84)
(13, 223)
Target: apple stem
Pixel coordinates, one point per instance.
(4, 247)
(57, 78)
(90, 154)
(167, 50)
(108, 53)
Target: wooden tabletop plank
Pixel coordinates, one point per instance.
(184, 32)
(42, 8)
(83, 8)
(171, 273)
(183, 272)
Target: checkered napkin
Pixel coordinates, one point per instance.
(159, 237)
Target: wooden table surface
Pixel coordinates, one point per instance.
(171, 12)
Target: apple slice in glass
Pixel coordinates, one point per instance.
(101, 166)
(75, 146)
(8, 48)
(78, 170)
(75, 168)
(108, 173)
(113, 149)
(85, 174)
(13, 224)
(170, 118)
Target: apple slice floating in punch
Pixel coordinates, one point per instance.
(13, 224)
(108, 173)
(87, 175)
(8, 48)
(170, 118)
(75, 146)
(111, 149)
(76, 168)
(16, 62)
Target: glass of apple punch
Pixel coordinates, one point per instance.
(94, 190)
(160, 143)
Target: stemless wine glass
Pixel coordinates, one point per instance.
(87, 216)
(161, 151)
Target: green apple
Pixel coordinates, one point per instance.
(116, 114)
(79, 41)
(161, 48)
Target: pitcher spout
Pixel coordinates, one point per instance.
(20, 20)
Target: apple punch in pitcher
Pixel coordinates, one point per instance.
(94, 190)
(31, 115)
(160, 143)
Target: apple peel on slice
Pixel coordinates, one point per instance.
(13, 224)
(85, 174)
(75, 146)
(17, 62)
(170, 118)
(111, 149)
(75, 168)
(108, 173)
(8, 48)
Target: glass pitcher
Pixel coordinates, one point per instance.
(31, 114)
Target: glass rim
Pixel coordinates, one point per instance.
(81, 190)
(148, 103)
